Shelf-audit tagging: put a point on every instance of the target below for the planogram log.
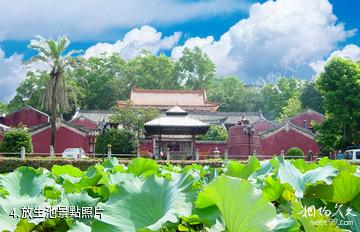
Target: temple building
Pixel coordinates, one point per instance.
(184, 114)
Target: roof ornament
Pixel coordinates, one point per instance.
(244, 121)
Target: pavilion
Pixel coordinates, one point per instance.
(175, 132)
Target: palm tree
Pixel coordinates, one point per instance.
(50, 52)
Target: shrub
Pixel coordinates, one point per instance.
(16, 138)
(295, 152)
(215, 133)
(122, 142)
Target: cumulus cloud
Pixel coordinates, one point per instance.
(279, 37)
(81, 19)
(12, 72)
(350, 51)
(134, 41)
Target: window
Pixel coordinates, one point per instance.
(357, 155)
(348, 155)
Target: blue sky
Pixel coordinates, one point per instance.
(254, 40)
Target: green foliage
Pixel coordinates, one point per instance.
(292, 107)
(295, 152)
(122, 141)
(340, 86)
(269, 195)
(4, 108)
(194, 69)
(99, 82)
(276, 96)
(215, 133)
(15, 139)
(133, 118)
(253, 207)
(311, 98)
(164, 201)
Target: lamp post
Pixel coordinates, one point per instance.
(249, 130)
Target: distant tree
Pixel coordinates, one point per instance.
(121, 141)
(152, 72)
(292, 107)
(102, 81)
(3, 108)
(133, 118)
(312, 98)
(340, 86)
(275, 96)
(215, 133)
(194, 69)
(50, 52)
(295, 152)
(31, 91)
(15, 139)
(230, 91)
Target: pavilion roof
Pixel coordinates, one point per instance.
(176, 121)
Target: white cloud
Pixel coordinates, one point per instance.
(134, 41)
(12, 72)
(350, 51)
(81, 19)
(281, 36)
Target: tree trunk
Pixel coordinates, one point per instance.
(55, 81)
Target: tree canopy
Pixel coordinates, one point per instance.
(215, 133)
(340, 86)
(99, 82)
(133, 118)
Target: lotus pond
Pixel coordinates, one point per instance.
(269, 195)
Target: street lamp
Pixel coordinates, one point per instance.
(249, 130)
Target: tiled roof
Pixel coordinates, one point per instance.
(227, 118)
(182, 98)
(289, 125)
(63, 123)
(95, 115)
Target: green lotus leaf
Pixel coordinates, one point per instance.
(304, 166)
(272, 188)
(70, 170)
(237, 169)
(288, 173)
(142, 166)
(242, 206)
(24, 187)
(146, 204)
(110, 163)
(26, 181)
(338, 164)
(91, 177)
(25, 226)
(344, 189)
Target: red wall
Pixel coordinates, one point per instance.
(65, 138)
(284, 140)
(238, 142)
(309, 116)
(26, 116)
(84, 122)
